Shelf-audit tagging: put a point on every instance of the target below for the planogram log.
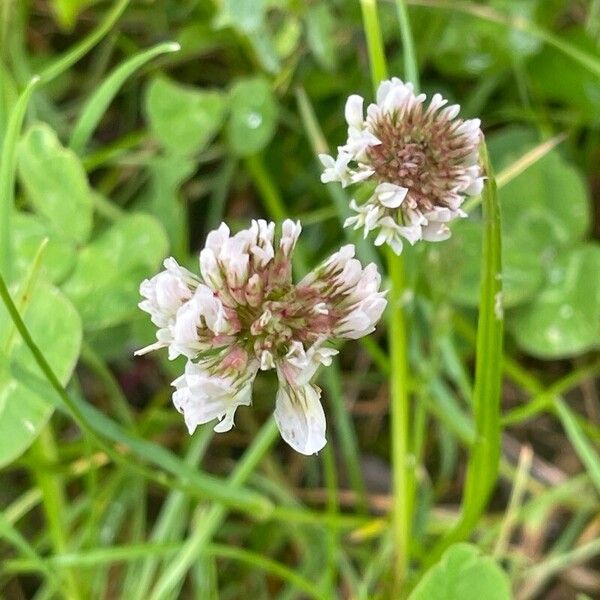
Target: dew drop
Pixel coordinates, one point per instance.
(499, 306)
(253, 120)
(553, 335)
(556, 275)
(566, 311)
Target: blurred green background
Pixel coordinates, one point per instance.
(131, 150)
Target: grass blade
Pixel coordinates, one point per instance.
(97, 104)
(111, 555)
(585, 451)
(8, 165)
(203, 531)
(60, 65)
(169, 525)
(484, 456)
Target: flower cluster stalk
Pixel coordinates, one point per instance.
(402, 479)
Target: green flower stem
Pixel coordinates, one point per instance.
(484, 457)
(411, 70)
(403, 461)
(403, 467)
(375, 47)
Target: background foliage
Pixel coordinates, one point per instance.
(151, 122)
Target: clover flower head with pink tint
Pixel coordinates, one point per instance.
(245, 314)
(422, 160)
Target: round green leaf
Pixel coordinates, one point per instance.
(243, 15)
(28, 232)
(473, 47)
(56, 328)
(463, 574)
(56, 183)
(454, 267)
(320, 35)
(547, 206)
(161, 197)
(104, 285)
(565, 318)
(253, 116)
(578, 89)
(184, 119)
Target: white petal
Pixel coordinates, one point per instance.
(300, 417)
(327, 161)
(354, 111)
(361, 174)
(390, 195)
(203, 397)
(469, 127)
(476, 187)
(412, 233)
(450, 112)
(215, 239)
(266, 361)
(396, 245)
(350, 221)
(150, 348)
(396, 98)
(435, 232)
(209, 267)
(290, 232)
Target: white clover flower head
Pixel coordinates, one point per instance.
(423, 159)
(245, 314)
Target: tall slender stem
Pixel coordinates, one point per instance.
(375, 47)
(402, 459)
(404, 464)
(411, 70)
